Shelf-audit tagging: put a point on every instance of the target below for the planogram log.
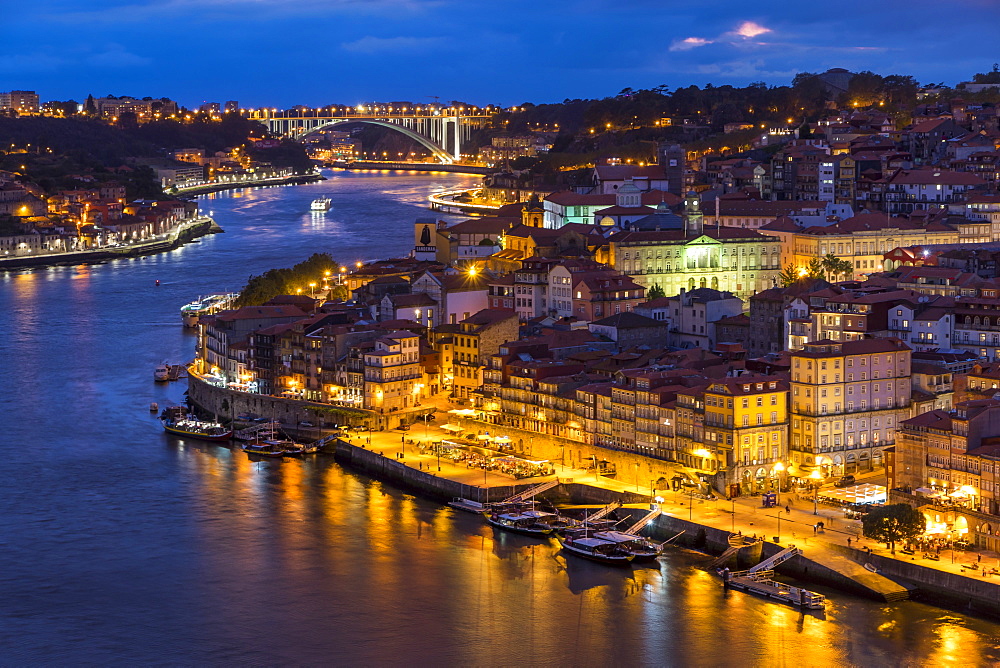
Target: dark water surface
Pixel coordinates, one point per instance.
(122, 545)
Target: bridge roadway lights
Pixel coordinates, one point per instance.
(435, 126)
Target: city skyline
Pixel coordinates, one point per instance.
(315, 52)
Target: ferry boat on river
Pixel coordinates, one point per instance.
(321, 204)
(191, 313)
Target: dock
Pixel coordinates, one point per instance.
(759, 580)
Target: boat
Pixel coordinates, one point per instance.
(596, 549)
(191, 427)
(289, 448)
(161, 373)
(321, 204)
(154, 407)
(641, 548)
(527, 522)
(263, 449)
(192, 313)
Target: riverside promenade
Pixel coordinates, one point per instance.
(186, 231)
(827, 557)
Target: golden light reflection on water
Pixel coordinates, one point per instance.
(424, 582)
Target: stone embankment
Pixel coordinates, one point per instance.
(207, 188)
(835, 566)
(186, 232)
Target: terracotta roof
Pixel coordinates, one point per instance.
(936, 419)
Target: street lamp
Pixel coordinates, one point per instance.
(779, 468)
(816, 477)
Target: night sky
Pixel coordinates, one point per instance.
(316, 52)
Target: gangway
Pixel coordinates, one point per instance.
(772, 561)
(248, 433)
(637, 527)
(521, 497)
(736, 543)
(605, 511)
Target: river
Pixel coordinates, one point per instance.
(123, 545)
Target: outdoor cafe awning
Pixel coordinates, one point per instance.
(451, 428)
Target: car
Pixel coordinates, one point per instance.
(403, 427)
(305, 424)
(846, 481)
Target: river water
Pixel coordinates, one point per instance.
(122, 545)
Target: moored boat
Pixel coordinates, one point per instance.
(641, 548)
(596, 549)
(161, 373)
(263, 449)
(191, 313)
(191, 427)
(528, 522)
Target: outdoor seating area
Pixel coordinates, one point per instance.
(480, 457)
(865, 494)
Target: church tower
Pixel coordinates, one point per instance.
(694, 225)
(533, 213)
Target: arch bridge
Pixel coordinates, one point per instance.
(441, 131)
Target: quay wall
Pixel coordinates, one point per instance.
(200, 227)
(973, 591)
(206, 188)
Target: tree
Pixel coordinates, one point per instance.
(788, 275)
(90, 108)
(896, 522)
(655, 292)
(834, 266)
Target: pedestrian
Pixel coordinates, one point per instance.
(848, 541)
(979, 558)
(788, 511)
(815, 528)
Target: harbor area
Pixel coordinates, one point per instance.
(834, 552)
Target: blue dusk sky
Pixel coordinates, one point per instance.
(315, 52)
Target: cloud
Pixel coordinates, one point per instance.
(744, 32)
(116, 57)
(30, 62)
(750, 29)
(689, 43)
(371, 44)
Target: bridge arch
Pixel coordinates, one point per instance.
(443, 156)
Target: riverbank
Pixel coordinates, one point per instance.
(863, 568)
(184, 233)
(207, 188)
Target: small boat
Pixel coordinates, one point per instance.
(154, 407)
(191, 427)
(263, 449)
(528, 522)
(596, 549)
(321, 204)
(161, 373)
